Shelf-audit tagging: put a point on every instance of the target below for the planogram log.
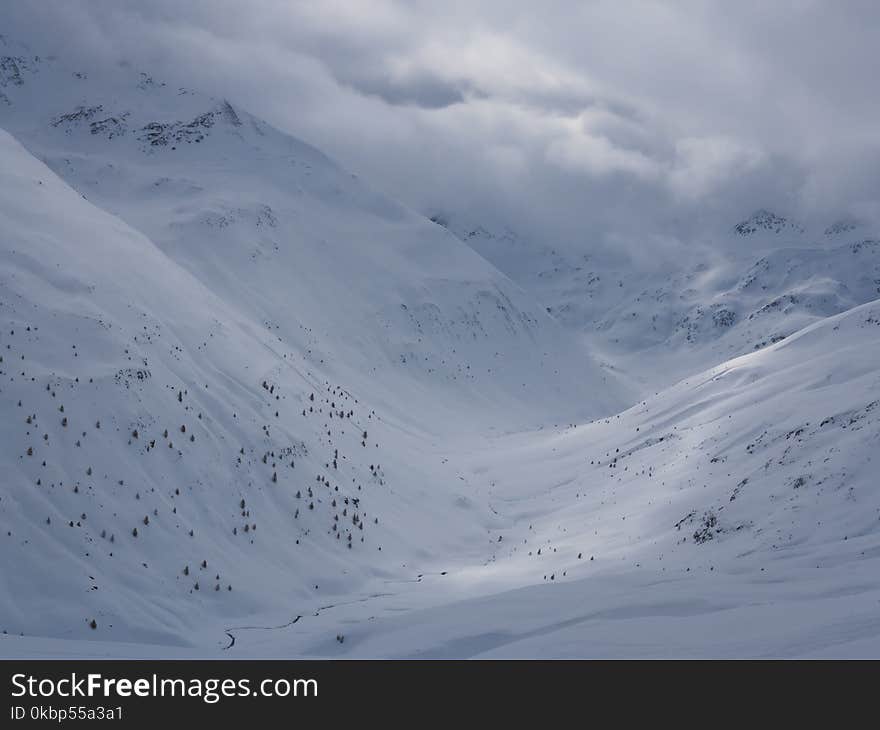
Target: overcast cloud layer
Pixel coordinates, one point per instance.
(569, 120)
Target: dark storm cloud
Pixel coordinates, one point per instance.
(595, 120)
(422, 90)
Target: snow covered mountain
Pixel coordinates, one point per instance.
(252, 407)
(273, 226)
(760, 281)
(735, 514)
(208, 311)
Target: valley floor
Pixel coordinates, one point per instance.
(733, 515)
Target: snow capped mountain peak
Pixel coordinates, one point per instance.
(843, 227)
(765, 221)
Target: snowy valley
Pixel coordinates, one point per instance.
(253, 407)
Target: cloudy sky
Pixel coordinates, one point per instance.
(567, 120)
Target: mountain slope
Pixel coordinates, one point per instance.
(735, 514)
(660, 317)
(275, 228)
(234, 375)
(149, 427)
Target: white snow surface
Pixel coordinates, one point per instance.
(655, 318)
(254, 408)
